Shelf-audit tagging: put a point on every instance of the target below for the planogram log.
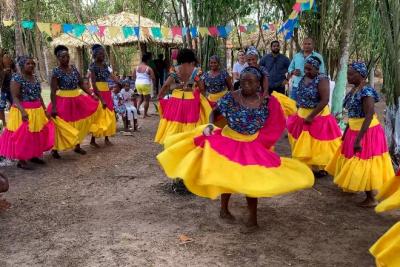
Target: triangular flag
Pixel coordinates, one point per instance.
(8, 23)
(68, 28)
(228, 29)
(213, 31)
(79, 29)
(156, 32)
(114, 31)
(242, 28)
(203, 31)
(92, 29)
(146, 32)
(251, 28)
(127, 31)
(102, 30)
(288, 35)
(165, 32)
(297, 7)
(44, 28)
(184, 31)
(27, 24)
(293, 15)
(265, 27)
(222, 31)
(305, 6)
(176, 31)
(55, 29)
(194, 32)
(272, 27)
(137, 31)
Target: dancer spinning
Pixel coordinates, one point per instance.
(100, 74)
(387, 249)
(362, 163)
(69, 104)
(187, 108)
(28, 133)
(313, 132)
(237, 158)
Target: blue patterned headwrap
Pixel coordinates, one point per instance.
(313, 61)
(21, 60)
(360, 67)
(215, 57)
(252, 51)
(252, 70)
(96, 49)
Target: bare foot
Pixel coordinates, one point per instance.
(226, 215)
(94, 144)
(107, 142)
(80, 151)
(250, 227)
(368, 203)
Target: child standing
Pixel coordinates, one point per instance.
(127, 95)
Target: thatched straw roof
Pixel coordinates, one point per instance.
(121, 19)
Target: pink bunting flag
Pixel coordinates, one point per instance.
(213, 31)
(272, 27)
(242, 28)
(101, 31)
(176, 31)
(297, 7)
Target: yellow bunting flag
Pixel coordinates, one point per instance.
(203, 31)
(293, 15)
(146, 32)
(114, 31)
(44, 27)
(8, 23)
(165, 32)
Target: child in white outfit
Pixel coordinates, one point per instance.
(127, 96)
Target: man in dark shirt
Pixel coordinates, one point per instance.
(277, 65)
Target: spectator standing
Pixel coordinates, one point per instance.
(239, 65)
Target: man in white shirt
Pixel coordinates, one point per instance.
(237, 68)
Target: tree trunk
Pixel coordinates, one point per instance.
(38, 46)
(187, 23)
(341, 80)
(19, 45)
(371, 78)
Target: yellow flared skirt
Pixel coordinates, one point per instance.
(387, 249)
(167, 128)
(209, 174)
(288, 105)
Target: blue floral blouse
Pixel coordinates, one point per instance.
(308, 95)
(102, 74)
(215, 84)
(242, 119)
(30, 91)
(353, 101)
(67, 81)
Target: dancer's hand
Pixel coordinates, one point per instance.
(54, 113)
(48, 115)
(308, 120)
(103, 104)
(357, 147)
(208, 130)
(25, 116)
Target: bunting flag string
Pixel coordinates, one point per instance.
(289, 25)
(78, 30)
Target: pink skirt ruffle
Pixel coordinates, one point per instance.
(72, 109)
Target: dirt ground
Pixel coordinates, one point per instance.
(113, 207)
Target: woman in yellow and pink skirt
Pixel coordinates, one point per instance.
(387, 249)
(29, 132)
(313, 132)
(100, 74)
(73, 112)
(186, 108)
(362, 163)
